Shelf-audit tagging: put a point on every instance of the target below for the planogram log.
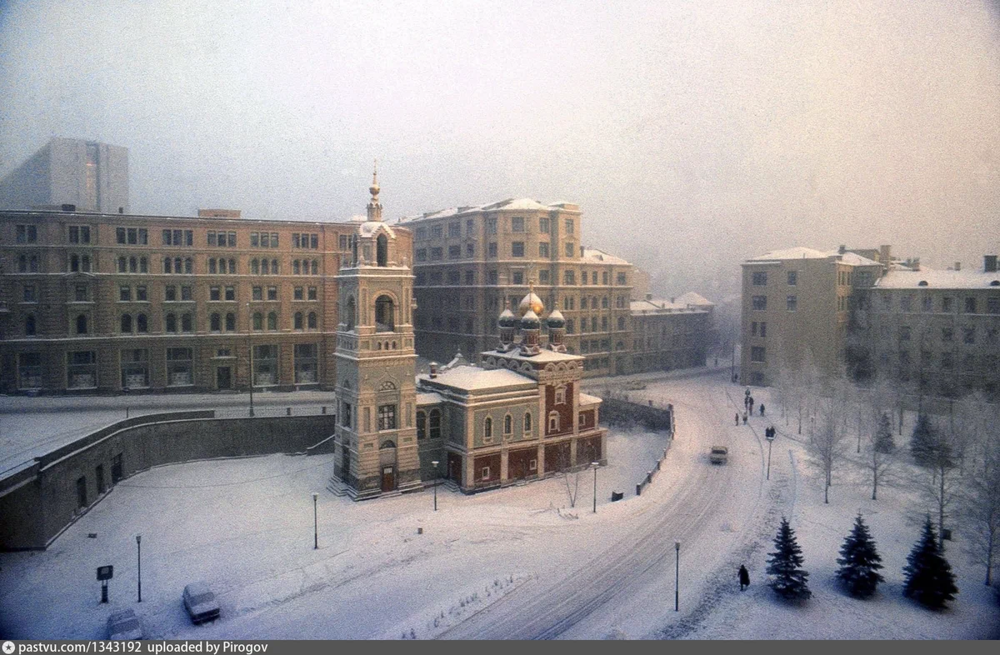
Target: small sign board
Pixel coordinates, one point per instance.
(105, 572)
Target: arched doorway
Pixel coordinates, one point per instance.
(387, 465)
(385, 319)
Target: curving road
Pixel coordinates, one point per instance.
(548, 608)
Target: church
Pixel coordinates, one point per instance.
(518, 415)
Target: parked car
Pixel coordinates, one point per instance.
(718, 454)
(124, 626)
(200, 603)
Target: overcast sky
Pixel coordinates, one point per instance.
(692, 134)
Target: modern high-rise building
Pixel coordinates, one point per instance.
(472, 262)
(87, 175)
(798, 307)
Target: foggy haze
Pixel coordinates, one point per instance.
(692, 134)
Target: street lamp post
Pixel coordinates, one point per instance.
(677, 577)
(595, 465)
(770, 440)
(250, 351)
(435, 463)
(138, 547)
(315, 523)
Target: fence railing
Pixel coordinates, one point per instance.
(272, 411)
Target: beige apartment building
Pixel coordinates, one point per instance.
(939, 331)
(798, 307)
(110, 302)
(472, 262)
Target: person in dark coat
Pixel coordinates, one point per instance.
(762, 409)
(744, 418)
(751, 405)
(744, 578)
(737, 418)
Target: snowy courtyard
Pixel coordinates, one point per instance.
(518, 562)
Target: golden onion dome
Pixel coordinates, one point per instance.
(531, 302)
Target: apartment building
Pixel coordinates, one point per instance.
(669, 334)
(472, 262)
(939, 331)
(798, 310)
(88, 175)
(110, 302)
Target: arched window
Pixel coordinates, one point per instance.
(315, 267)
(189, 266)
(171, 323)
(178, 265)
(508, 424)
(122, 265)
(265, 267)
(527, 423)
(29, 325)
(435, 424)
(126, 323)
(297, 321)
(351, 311)
(274, 267)
(81, 324)
(74, 263)
(421, 425)
(553, 421)
(85, 264)
(604, 302)
(212, 266)
(621, 322)
(132, 265)
(142, 324)
(296, 268)
(215, 323)
(232, 267)
(254, 267)
(312, 322)
(186, 323)
(560, 394)
(258, 321)
(384, 314)
(488, 428)
(272, 320)
(230, 322)
(382, 250)
(143, 265)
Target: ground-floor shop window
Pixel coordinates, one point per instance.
(81, 371)
(265, 365)
(135, 368)
(306, 363)
(29, 371)
(180, 367)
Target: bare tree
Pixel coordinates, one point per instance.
(828, 433)
(877, 430)
(981, 497)
(940, 478)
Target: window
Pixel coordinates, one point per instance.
(386, 417)
(214, 293)
(272, 320)
(757, 354)
(454, 278)
(470, 227)
(81, 324)
(79, 234)
(343, 242)
(454, 252)
(81, 369)
(793, 278)
(170, 323)
(230, 322)
(517, 249)
(312, 321)
(186, 293)
(527, 423)
(543, 225)
(297, 293)
(174, 237)
(553, 421)
(904, 333)
(760, 279)
(437, 253)
(297, 321)
(569, 226)
(311, 293)
(258, 321)
(491, 250)
(569, 277)
(791, 303)
(759, 303)
(257, 293)
(560, 395)
(969, 335)
(621, 279)
(947, 304)
(306, 363)
(763, 329)
(421, 425)
(215, 323)
(488, 429)
(508, 425)
(314, 267)
(543, 276)
(180, 367)
(272, 293)
(265, 365)
(27, 234)
(230, 293)
(491, 225)
(454, 230)
(81, 293)
(517, 224)
(993, 305)
(187, 323)
(517, 277)
(421, 254)
(570, 248)
(970, 305)
(947, 335)
(436, 231)
(421, 233)
(345, 420)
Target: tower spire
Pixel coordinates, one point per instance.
(374, 207)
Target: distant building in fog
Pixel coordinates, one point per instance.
(91, 176)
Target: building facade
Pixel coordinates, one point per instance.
(670, 334)
(938, 332)
(88, 175)
(472, 262)
(111, 302)
(799, 308)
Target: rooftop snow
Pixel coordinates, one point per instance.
(800, 252)
(470, 378)
(905, 279)
(595, 255)
(428, 398)
(587, 400)
(659, 306)
(692, 298)
(544, 355)
(510, 204)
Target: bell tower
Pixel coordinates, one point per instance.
(376, 436)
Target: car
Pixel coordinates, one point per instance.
(124, 626)
(718, 454)
(200, 603)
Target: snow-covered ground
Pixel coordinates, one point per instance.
(515, 562)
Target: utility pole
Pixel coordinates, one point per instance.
(677, 577)
(250, 350)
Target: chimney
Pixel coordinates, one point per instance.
(121, 210)
(884, 254)
(842, 249)
(434, 370)
(958, 266)
(989, 263)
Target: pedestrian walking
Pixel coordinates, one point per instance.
(744, 578)
(751, 404)
(744, 418)
(737, 419)
(762, 409)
